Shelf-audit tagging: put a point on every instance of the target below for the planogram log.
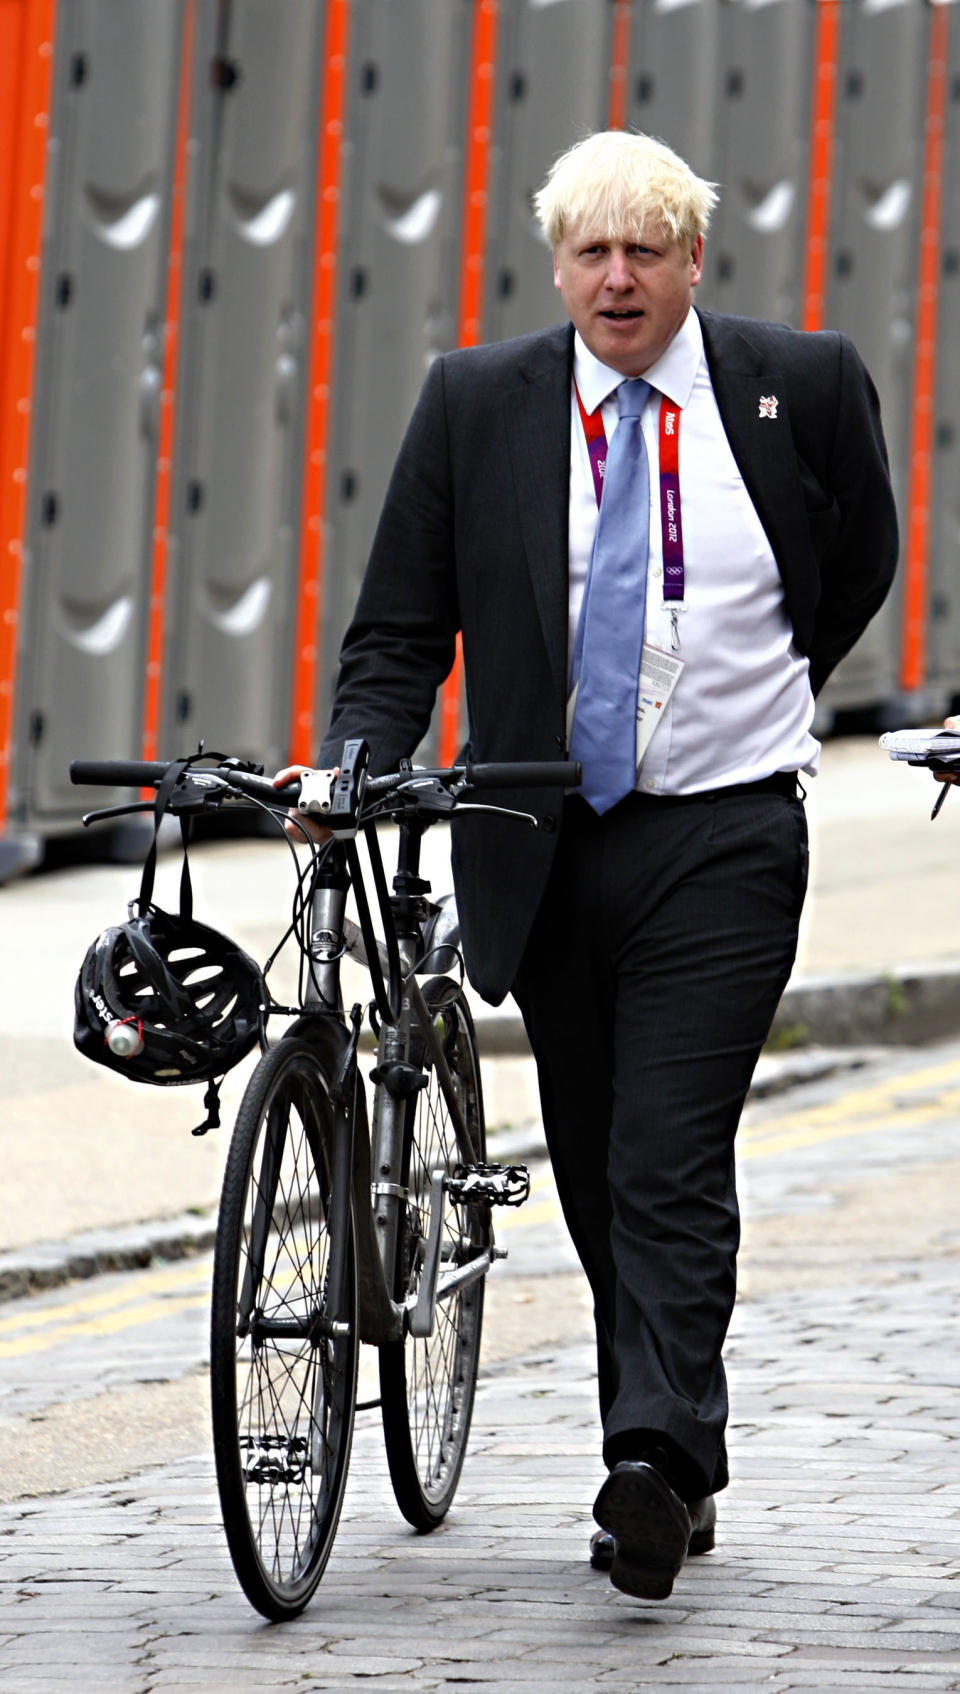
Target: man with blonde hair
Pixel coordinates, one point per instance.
(671, 637)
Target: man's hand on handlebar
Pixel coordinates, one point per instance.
(296, 824)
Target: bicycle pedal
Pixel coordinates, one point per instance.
(489, 1185)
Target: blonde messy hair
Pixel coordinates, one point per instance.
(621, 183)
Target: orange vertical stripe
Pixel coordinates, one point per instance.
(479, 134)
(13, 18)
(483, 65)
(165, 442)
(306, 658)
(913, 653)
(448, 719)
(619, 61)
(826, 52)
(26, 55)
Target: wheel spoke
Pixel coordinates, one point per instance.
(286, 1397)
(428, 1383)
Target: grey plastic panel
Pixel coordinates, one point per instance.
(727, 82)
(943, 627)
(96, 386)
(398, 267)
(874, 233)
(553, 80)
(236, 489)
(672, 89)
(754, 257)
(876, 198)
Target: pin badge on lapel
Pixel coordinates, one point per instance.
(768, 405)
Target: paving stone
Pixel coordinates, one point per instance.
(836, 1567)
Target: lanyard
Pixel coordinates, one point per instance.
(596, 440)
(671, 528)
(673, 580)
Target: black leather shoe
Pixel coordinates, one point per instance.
(703, 1516)
(651, 1528)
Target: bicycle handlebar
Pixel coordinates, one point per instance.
(144, 773)
(197, 786)
(536, 773)
(548, 773)
(117, 773)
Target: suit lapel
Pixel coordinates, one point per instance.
(536, 416)
(763, 446)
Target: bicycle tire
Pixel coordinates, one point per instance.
(428, 1385)
(283, 1403)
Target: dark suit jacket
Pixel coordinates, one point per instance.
(473, 537)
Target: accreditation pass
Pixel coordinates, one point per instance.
(659, 675)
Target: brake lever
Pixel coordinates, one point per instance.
(116, 812)
(201, 791)
(502, 812)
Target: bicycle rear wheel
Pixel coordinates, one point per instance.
(283, 1358)
(427, 1385)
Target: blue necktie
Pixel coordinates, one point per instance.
(606, 663)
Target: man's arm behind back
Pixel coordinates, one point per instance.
(858, 563)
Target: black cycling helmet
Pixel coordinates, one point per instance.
(164, 999)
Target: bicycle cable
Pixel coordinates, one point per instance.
(299, 919)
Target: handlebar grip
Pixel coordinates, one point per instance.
(140, 773)
(545, 773)
(116, 773)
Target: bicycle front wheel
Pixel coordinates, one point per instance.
(284, 1337)
(428, 1384)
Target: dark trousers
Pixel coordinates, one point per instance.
(657, 960)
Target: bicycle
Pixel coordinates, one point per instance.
(331, 1232)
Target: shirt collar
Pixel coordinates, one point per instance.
(673, 374)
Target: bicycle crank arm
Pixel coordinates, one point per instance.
(433, 1288)
(451, 1284)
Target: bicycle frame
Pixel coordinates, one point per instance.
(377, 1190)
(373, 1164)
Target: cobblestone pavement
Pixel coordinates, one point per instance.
(835, 1569)
(838, 1552)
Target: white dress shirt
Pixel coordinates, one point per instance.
(742, 707)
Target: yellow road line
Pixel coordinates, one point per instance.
(793, 1139)
(891, 1089)
(25, 1315)
(861, 1111)
(109, 1323)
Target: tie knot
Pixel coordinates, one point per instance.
(632, 397)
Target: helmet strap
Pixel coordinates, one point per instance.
(165, 788)
(211, 1104)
